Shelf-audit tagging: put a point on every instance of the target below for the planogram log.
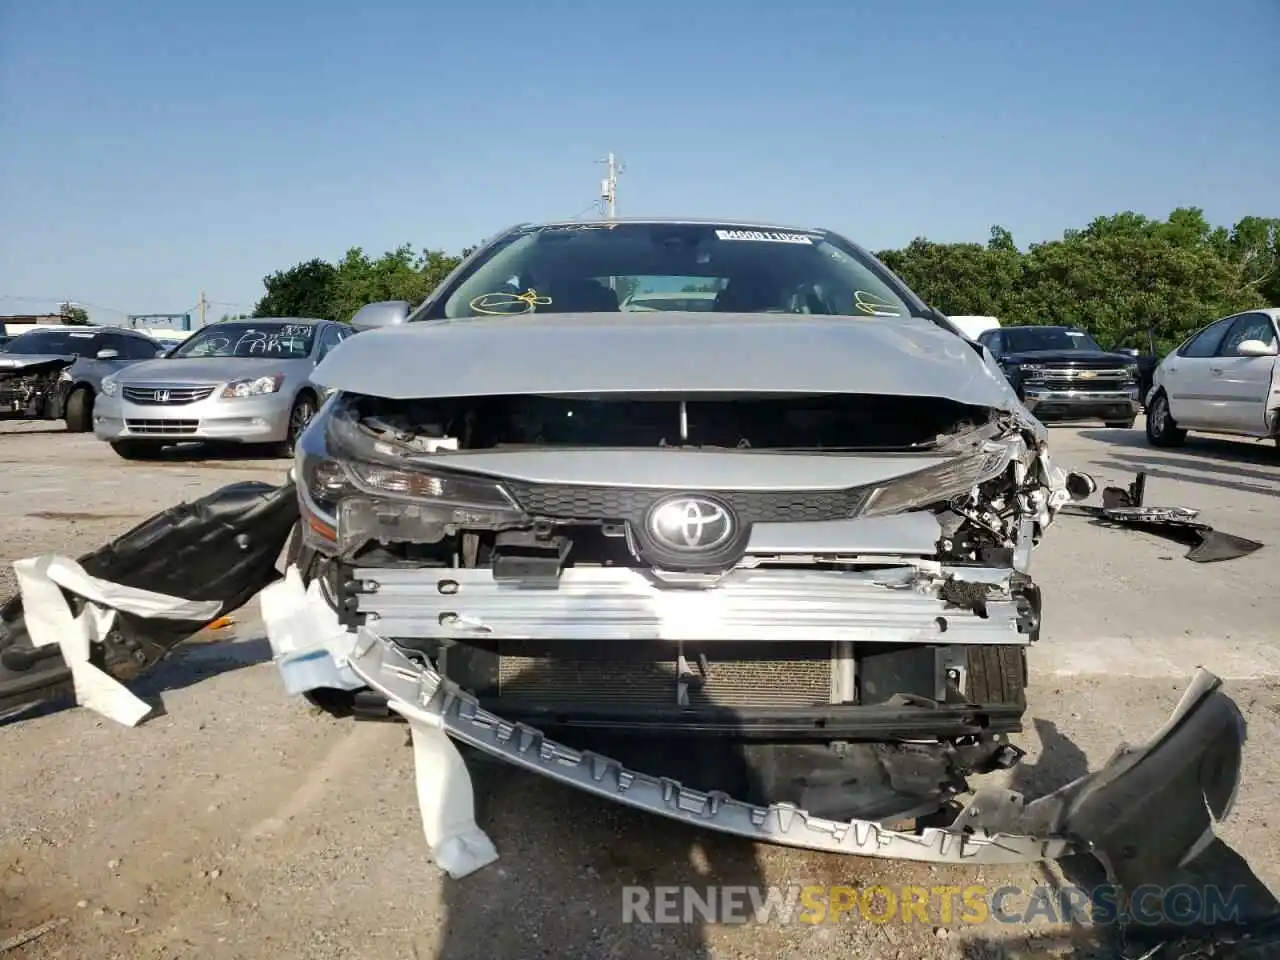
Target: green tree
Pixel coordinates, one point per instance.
(304, 290)
(76, 316)
(1118, 273)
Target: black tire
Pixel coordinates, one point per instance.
(336, 703)
(1162, 430)
(137, 449)
(304, 408)
(79, 414)
(997, 673)
(1120, 424)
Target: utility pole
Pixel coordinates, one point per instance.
(609, 186)
(203, 304)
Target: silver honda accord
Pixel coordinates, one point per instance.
(241, 381)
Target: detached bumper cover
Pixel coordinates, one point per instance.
(1173, 771)
(422, 695)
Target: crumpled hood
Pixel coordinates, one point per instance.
(26, 364)
(665, 352)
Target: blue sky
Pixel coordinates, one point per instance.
(149, 150)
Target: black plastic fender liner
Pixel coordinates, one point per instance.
(223, 547)
(1148, 817)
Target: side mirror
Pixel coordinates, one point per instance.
(107, 354)
(1254, 348)
(383, 313)
(1129, 351)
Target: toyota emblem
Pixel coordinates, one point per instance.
(691, 524)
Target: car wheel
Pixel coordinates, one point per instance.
(1120, 424)
(1162, 431)
(137, 449)
(304, 408)
(79, 415)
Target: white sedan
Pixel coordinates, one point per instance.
(1224, 379)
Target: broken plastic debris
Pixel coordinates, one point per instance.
(308, 643)
(446, 799)
(1125, 507)
(49, 621)
(311, 649)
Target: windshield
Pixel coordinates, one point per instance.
(77, 343)
(1029, 340)
(608, 267)
(261, 339)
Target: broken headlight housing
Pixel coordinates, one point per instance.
(941, 483)
(367, 489)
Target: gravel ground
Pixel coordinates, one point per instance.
(238, 823)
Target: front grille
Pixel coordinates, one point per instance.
(736, 684)
(166, 395)
(575, 502)
(1072, 378)
(162, 427)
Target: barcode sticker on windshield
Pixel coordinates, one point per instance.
(762, 236)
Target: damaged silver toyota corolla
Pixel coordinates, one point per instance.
(762, 540)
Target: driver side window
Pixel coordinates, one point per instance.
(1205, 343)
(1252, 326)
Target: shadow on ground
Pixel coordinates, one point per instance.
(216, 456)
(1218, 868)
(189, 664)
(587, 864)
(1235, 450)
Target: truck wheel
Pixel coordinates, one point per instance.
(137, 449)
(79, 415)
(997, 674)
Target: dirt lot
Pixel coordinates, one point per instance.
(240, 824)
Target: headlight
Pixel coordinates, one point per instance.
(64, 376)
(1131, 369)
(253, 387)
(369, 492)
(946, 481)
(108, 386)
(429, 486)
(1031, 368)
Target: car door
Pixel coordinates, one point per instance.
(1185, 377)
(330, 336)
(124, 353)
(1240, 386)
